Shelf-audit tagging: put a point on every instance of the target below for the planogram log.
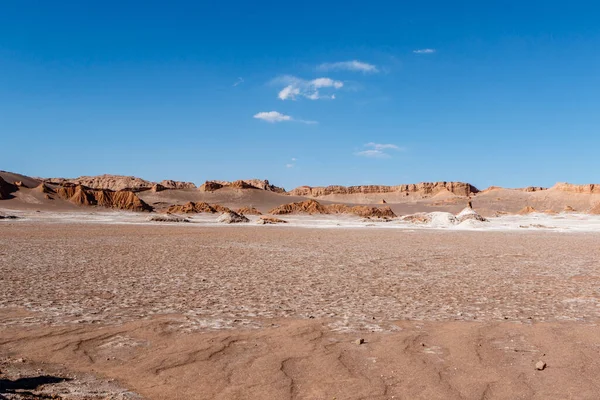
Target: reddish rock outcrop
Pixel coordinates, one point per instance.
(110, 182)
(302, 207)
(211, 186)
(84, 196)
(248, 211)
(361, 211)
(314, 207)
(157, 188)
(43, 188)
(170, 184)
(423, 189)
(585, 189)
(197, 208)
(266, 220)
(526, 210)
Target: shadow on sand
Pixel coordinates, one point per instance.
(23, 386)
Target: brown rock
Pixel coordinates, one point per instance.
(423, 188)
(540, 365)
(210, 186)
(84, 196)
(248, 211)
(567, 187)
(170, 184)
(199, 207)
(361, 211)
(265, 219)
(231, 217)
(526, 210)
(157, 188)
(109, 182)
(302, 207)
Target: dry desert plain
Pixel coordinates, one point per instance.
(107, 305)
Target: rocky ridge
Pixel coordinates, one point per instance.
(423, 188)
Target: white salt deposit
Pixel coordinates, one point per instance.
(564, 222)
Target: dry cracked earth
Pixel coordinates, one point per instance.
(109, 311)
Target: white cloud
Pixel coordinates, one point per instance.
(289, 165)
(378, 150)
(274, 116)
(353, 65)
(424, 51)
(380, 146)
(293, 159)
(239, 81)
(325, 82)
(289, 92)
(295, 87)
(373, 154)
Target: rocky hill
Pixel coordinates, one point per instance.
(423, 189)
(211, 186)
(84, 196)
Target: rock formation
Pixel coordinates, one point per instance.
(302, 207)
(587, 189)
(211, 186)
(167, 218)
(314, 207)
(170, 184)
(197, 208)
(266, 220)
(469, 214)
(84, 196)
(595, 209)
(423, 189)
(526, 210)
(231, 217)
(157, 188)
(110, 182)
(248, 211)
(44, 188)
(361, 211)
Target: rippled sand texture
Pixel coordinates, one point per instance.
(255, 312)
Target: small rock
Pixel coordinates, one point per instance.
(359, 341)
(540, 365)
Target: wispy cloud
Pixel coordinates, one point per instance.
(378, 150)
(238, 82)
(274, 116)
(354, 65)
(291, 164)
(381, 146)
(424, 51)
(373, 154)
(296, 87)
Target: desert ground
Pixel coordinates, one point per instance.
(98, 309)
(116, 287)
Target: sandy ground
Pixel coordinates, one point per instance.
(173, 312)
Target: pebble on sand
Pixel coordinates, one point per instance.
(359, 341)
(540, 365)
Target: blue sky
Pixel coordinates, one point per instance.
(299, 93)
